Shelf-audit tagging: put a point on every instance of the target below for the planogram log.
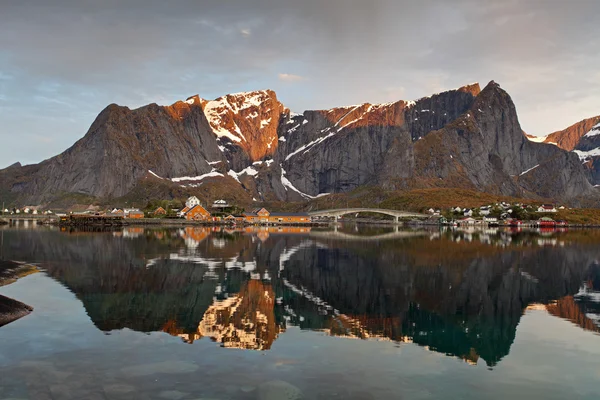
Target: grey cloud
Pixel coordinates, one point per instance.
(69, 59)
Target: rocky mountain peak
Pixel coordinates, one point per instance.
(248, 120)
(473, 89)
(569, 138)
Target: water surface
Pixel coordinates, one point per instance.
(350, 313)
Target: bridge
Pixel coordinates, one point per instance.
(336, 213)
(396, 233)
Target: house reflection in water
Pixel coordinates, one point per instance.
(245, 320)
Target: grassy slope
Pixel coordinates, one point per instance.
(412, 200)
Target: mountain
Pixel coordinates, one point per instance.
(250, 146)
(583, 138)
(569, 138)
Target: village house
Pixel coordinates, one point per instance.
(197, 213)
(220, 204)
(230, 219)
(484, 210)
(134, 214)
(433, 211)
(468, 212)
(159, 211)
(546, 222)
(258, 215)
(263, 216)
(192, 201)
(490, 220)
(546, 208)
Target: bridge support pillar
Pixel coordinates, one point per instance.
(397, 219)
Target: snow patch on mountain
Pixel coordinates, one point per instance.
(246, 171)
(211, 174)
(537, 139)
(595, 131)
(265, 122)
(217, 112)
(529, 170)
(288, 185)
(584, 155)
(152, 173)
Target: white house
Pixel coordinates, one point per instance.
(490, 220)
(457, 209)
(192, 202)
(220, 204)
(468, 212)
(485, 210)
(546, 208)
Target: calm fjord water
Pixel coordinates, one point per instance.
(297, 313)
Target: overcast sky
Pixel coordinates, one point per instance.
(62, 62)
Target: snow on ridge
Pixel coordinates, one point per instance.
(307, 146)
(288, 185)
(214, 110)
(247, 171)
(530, 169)
(595, 131)
(537, 139)
(345, 115)
(155, 175)
(584, 155)
(211, 174)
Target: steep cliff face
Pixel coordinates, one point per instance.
(343, 148)
(485, 148)
(460, 138)
(122, 145)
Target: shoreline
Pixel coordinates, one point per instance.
(11, 309)
(46, 220)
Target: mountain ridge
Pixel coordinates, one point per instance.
(466, 137)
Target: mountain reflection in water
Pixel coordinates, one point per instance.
(460, 293)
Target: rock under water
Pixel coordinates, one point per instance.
(11, 310)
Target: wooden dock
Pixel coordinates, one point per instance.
(90, 220)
